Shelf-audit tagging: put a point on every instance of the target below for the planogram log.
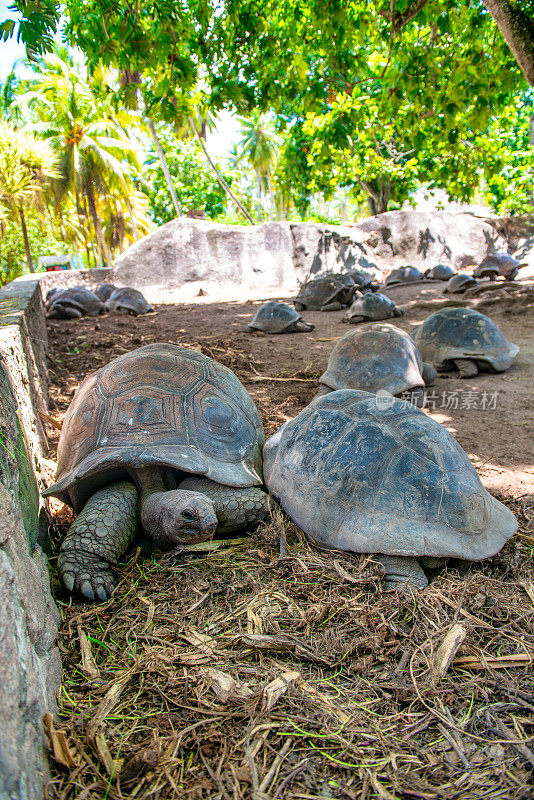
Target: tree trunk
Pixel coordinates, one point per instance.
(517, 27)
(217, 172)
(29, 259)
(133, 220)
(98, 229)
(165, 168)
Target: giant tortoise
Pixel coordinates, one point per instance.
(372, 474)
(371, 306)
(73, 304)
(497, 264)
(378, 357)
(466, 339)
(273, 317)
(133, 432)
(128, 299)
(441, 272)
(404, 275)
(459, 283)
(324, 294)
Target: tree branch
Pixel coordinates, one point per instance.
(518, 30)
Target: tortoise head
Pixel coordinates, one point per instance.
(178, 517)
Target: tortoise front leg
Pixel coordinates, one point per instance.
(402, 572)
(235, 508)
(466, 367)
(98, 537)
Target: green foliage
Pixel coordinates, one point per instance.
(196, 186)
(36, 26)
(45, 239)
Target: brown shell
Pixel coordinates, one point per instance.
(158, 405)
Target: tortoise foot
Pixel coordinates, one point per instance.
(86, 574)
(402, 574)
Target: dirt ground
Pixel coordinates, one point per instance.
(273, 671)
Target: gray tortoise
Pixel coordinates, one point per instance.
(324, 294)
(404, 275)
(441, 272)
(73, 304)
(128, 299)
(104, 291)
(459, 283)
(378, 357)
(162, 437)
(498, 264)
(465, 339)
(371, 307)
(276, 317)
(359, 474)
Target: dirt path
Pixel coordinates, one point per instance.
(491, 416)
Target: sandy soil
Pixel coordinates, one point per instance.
(491, 416)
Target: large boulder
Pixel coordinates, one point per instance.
(425, 238)
(186, 255)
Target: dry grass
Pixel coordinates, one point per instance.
(270, 670)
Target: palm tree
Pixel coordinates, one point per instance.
(27, 165)
(260, 147)
(93, 147)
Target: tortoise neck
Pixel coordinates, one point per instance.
(151, 480)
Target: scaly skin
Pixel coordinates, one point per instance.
(402, 573)
(466, 367)
(99, 536)
(235, 508)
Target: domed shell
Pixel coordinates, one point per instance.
(104, 291)
(404, 275)
(361, 472)
(274, 317)
(441, 272)
(372, 306)
(77, 297)
(463, 333)
(128, 299)
(498, 264)
(379, 356)
(320, 291)
(459, 283)
(161, 404)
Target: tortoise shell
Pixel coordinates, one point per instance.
(459, 283)
(371, 474)
(161, 404)
(375, 357)
(404, 275)
(104, 291)
(373, 306)
(463, 333)
(320, 291)
(441, 272)
(274, 317)
(128, 299)
(498, 264)
(82, 299)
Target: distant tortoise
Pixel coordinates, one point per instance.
(371, 307)
(498, 264)
(104, 291)
(128, 299)
(363, 281)
(465, 339)
(74, 303)
(459, 283)
(275, 317)
(359, 474)
(404, 275)
(441, 272)
(134, 430)
(324, 294)
(377, 357)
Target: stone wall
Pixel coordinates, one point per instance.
(30, 669)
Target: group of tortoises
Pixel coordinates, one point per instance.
(81, 302)
(166, 440)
